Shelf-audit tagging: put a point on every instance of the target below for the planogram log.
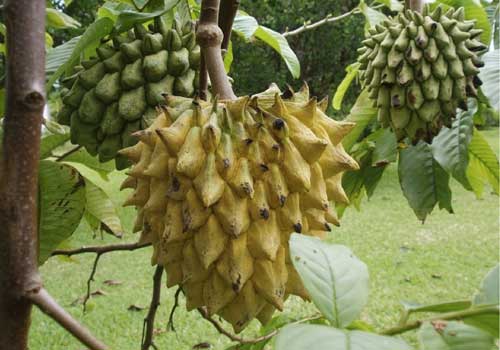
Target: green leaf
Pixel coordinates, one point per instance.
(303, 337)
(473, 11)
(228, 57)
(58, 56)
(245, 25)
(483, 165)
(140, 4)
(83, 157)
(89, 174)
(490, 75)
(338, 97)
(423, 181)
(453, 336)
(386, 148)
(489, 290)
(93, 34)
(372, 16)
(50, 142)
(61, 205)
(440, 307)
(394, 5)
(450, 146)
(278, 42)
(127, 18)
(58, 20)
(336, 280)
(99, 205)
(363, 114)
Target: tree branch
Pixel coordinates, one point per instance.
(68, 153)
(228, 10)
(327, 19)
(102, 249)
(455, 315)
(203, 88)
(204, 313)
(149, 321)
(49, 306)
(210, 37)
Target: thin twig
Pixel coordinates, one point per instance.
(99, 251)
(149, 322)
(102, 249)
(89, 282)
(455, 315)
(67, 154)
(49, 306)
(170, 324)
(327, 19)
(204, 313)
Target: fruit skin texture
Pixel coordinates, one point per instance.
(419, 68)
(221, 186)
(115, 94)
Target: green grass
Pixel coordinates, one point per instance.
(443, 259)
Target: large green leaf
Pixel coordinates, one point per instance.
(440, 307)
(372, 16)
(450, 146)
(489, 290)
(453, 336)
(473, 11)
(61, 204)
(83, 157)
(278, 42)
(59, 20)
(102, 207)
(89, 174)
(363, 114)
(394, 5)
(50, 142)
(92, 35)
(315, 337)
(423, 181)
(338, 97)
(127, 18)
(483, 165)
(488, 294)
(490, 75)
(386, 147)
(336, 280)
(59, 55)
(247, 27)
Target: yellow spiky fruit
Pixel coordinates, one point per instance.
(232, 180)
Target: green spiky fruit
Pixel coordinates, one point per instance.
(419, 68)
(114, 94)
(220, 187)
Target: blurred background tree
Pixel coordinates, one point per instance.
(323, 52)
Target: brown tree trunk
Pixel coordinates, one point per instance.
(25, 21)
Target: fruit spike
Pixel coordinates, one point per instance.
(115, 94)
(221, 185)
(419, 68)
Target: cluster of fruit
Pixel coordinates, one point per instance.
(221, 186)
(419, 68)
(114, 94)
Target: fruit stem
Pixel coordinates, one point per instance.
(415, 5)
(210, 38)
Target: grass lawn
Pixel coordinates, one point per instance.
(443, 259)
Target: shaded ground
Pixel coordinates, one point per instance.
(444, 259)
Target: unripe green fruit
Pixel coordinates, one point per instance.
(419, 68)
(114, 94)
